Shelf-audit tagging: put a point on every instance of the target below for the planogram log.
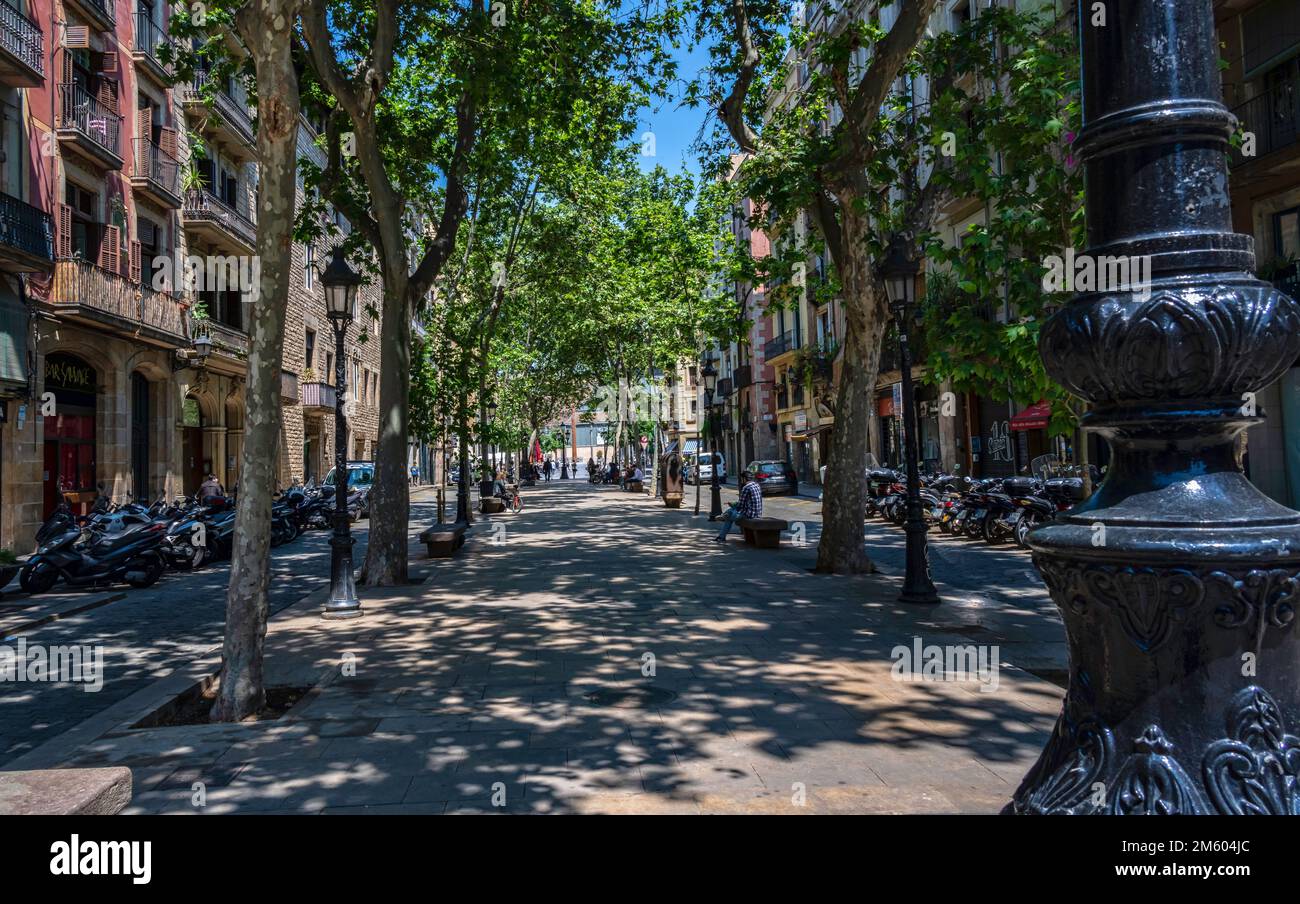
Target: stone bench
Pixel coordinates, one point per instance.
(635, 486)
(491, 505)
(763, 533)
(442, 540)
(65, 792)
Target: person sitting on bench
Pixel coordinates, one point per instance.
(750, 505)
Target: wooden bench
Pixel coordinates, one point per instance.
(763, 533)
(442, 540)
(635, 486)
(491, 505)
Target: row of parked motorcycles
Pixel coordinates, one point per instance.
(136, 543)
(996, 509)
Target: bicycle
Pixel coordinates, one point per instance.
(510, 496)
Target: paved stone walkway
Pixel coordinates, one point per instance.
(596, 653)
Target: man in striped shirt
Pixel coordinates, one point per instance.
(749, 506)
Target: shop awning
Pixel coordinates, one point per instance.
(1035, 417)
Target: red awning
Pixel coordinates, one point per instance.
(1035, 417)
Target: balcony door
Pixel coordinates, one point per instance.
(140, 436)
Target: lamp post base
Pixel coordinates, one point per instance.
(917, 586)
(343, 602)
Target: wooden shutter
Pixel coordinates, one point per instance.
(135, 262)
(169, 143)
(108, 245)
(67, 67)
(63, 237)
(108, 61)
(76, 37)
(107, 94)
(144, 123)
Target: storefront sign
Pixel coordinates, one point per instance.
(800, 421)
(67, 372)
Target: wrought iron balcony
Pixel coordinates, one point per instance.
(149, 39)
(26, 237)
(88, 128)
(786, 342)
(99, 10)
(207, 216)
(234, 120)
(1272, 118)
(107, 298)
(22, 49)
(157, 174)
(743, 374)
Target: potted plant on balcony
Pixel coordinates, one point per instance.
(8, 567)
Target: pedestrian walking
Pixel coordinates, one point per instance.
(546, 469)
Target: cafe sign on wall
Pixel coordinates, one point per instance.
(67, 372)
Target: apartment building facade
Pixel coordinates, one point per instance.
(115, 179)
(1260, 46)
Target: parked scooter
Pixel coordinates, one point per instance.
(86, 557)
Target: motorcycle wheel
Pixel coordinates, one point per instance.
(198, 555)
(990, 531)
(1023, 527)
(153, 569)
(37, 580)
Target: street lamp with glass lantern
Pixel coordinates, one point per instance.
(341, 283)
(709, 374)
(564, 449)
(898, 270)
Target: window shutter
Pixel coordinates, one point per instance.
(64, 231)
(135, 262)
(76, 37)
(107, 94)
(108, 245)
(144, 123)
(67, 67)
(167, 140)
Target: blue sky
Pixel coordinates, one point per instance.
(675, 126)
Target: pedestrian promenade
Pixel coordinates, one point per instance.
(595, 653)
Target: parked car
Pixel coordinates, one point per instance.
(701, 469)
(775, 477)
(361, 475)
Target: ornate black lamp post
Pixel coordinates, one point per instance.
(710, 376)
(1178, 579)
(899, 270)
(564, 450)
(340, 282)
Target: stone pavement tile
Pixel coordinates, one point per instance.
(260, 788)
(423, 723)
(589, 733)
(568, 788)
(929, 765)
(635, 805)
(211, 776)
(690, 779)
(886, 801)
(432, 808)
(480, 785)
(272, 747)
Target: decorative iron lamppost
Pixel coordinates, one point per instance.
(564, 450)
(340, 282)
(1177, 580)
(710, 377)
(899, 270)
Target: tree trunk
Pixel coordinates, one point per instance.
(270, 39)
(841, 549)
(391, 495)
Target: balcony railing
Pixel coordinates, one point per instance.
(158, 166)
(230, 100)
(787, 341)
(743, 375)
(228, 339)
(149, 35)
(80, 111)
(201, 204)
(102, 8)
(103, 292)
(22, 37)
(26, 228)
(318, 395)
(1273, 119)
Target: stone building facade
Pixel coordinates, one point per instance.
(103, 196)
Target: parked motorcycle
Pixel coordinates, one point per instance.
(84, 557)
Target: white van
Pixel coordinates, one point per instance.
(702, 467)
